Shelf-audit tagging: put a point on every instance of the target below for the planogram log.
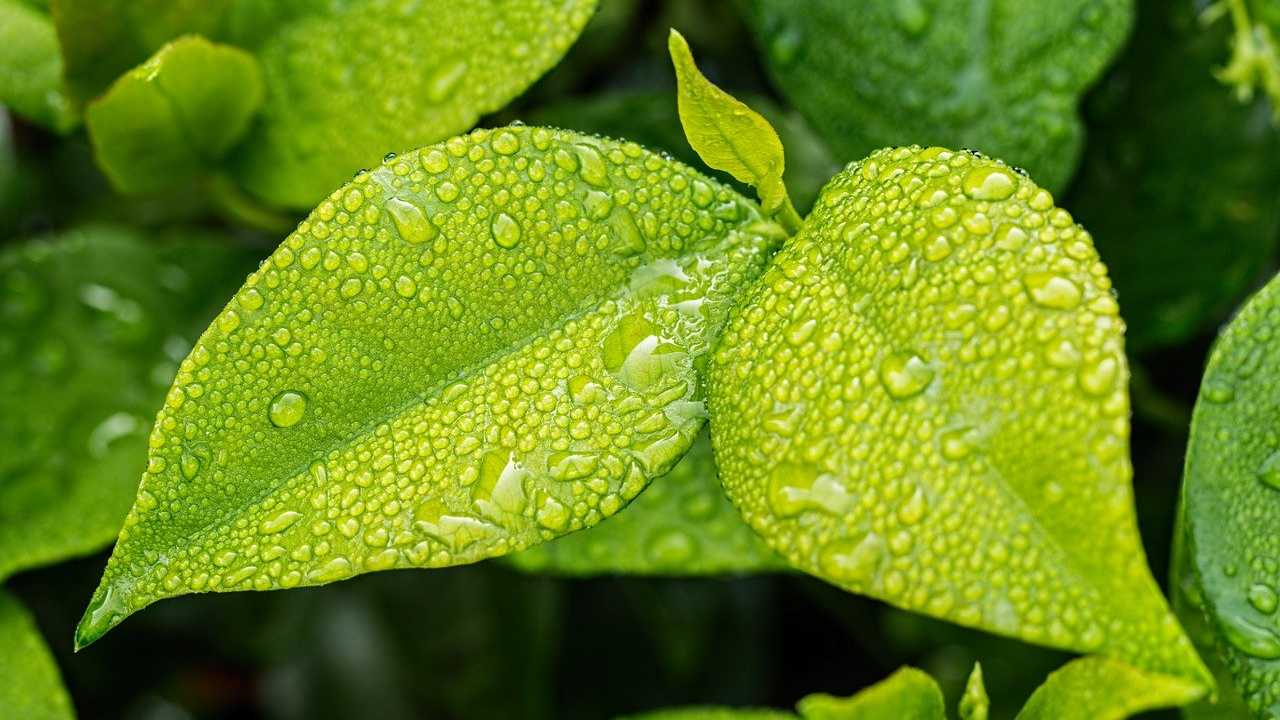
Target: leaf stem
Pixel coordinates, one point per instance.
(788, 217)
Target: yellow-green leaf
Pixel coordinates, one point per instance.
(174, 117)
(1097, 688)
(907, 694)
(974, 704)
(929, 398)
(31, 67)
(727, 134)
(476, 347)
(30, 688)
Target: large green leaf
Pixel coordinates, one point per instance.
(92, 326)
(175, 116)
(346, 80)
(1003, 76)
(30, 687)
(476, 347)
(31, 67)
(1096, 688)
(1184, 234)
(682, 525)
(1231, 500)
(928, 388)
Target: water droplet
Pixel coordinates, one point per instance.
(911, 16)
(1098, 377)
(287, 408)
(1052, 291)
(443, 81)
(1250, 638)
(853, 561)
(796, 487)
(410, 221)
(1263, 598)
(505, 231)
(671, 547)
(988, 183)
(189, 464)
(905, 374)
(1219, 391)
(1269, 471)
(505, 143)
(279, 522)
(591, 166)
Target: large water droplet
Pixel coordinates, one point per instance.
(505, 230)
(905, 374)
(988, 183)
(1250, 638)
(1263, 598)
(852, 561)
(1052, 291)
(1269, 471)
(796, 487)
(287, 408)
(410, 221)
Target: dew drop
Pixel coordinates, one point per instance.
(1052, 291)
(670, 547)
(410, 221)
(905, 375)
(1269, 471)
(591, 166)
(505, 143)
(988, 183)
(287, 408)
(1263, 598)
(1250, 638)
(505, 231)
(852, 561)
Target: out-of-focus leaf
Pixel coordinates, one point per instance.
(346, 82)
(478, 346)
(1180, 187)
(30, 688)
(651, 119)
(1231, 500)
(174, 117)
(940, 341)
(1255, 48)
(31, 67)
(908, 693)
(1097, 688)
(92, 326)
(681, 525)
(713, 713)
(1003, 76)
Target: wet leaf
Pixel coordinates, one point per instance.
(1231, 502)
(174, 117)
(1096, 688)
(92, 326)
(31, 67)
(345, 82)
(908, 693)
(939, 341)
(1184, 234)
(30, 687)
(682, 525)
(1003, 77)
(478, 346)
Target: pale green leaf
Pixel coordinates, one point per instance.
(30, 687)
(31, 67)
(1003, 76)
(174, 117)
(1231, 501)
(1096, 688)
(92, 326)
(908, 694)
(682, 525)
(939, 344)
(476, 347)
(974, 704)
(346, 82)
(725, 133)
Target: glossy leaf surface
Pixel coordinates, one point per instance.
(940, 343)
(1096, 688)
(682, 525)
(30, 687)
(176, 115)
(476, 347)
(1003, 76)
(92, 326)
(1231, 500)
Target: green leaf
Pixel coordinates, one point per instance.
(1096, 688)
(713, 713)
(30, 687)
(345, 82)
(1255, 49)
(682, 525)
(175, 116)
(1185, 235)
(906, 694)
(1231, 502)
(974, 704)
(728, 135)
(476, 347)
(31, 68)
(1004, 77)
(92, 325)
(651, 119)
(939, 341)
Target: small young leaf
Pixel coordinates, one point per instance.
(682, 525)
(31, 68)
(974, 704)
(1001, 77)
(1255, 49)
(1231, 499)
(345, 82)
(175, 116)
(92, 325)
(30, 687)
(476, 347)
(713, 713)
(908, 693)
(939, 341)
(1097, 688)
(727, 134)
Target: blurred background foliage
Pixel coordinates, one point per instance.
(1178, 182)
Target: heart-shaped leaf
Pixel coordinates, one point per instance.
(682, 525)
(31, 67)
(928, 388)
(1004, 77)
(92, 326)
(1231, 501)
(476, 347)
(30, 687)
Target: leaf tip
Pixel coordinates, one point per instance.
(106, 610)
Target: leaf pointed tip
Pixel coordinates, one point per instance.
(106, 610)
